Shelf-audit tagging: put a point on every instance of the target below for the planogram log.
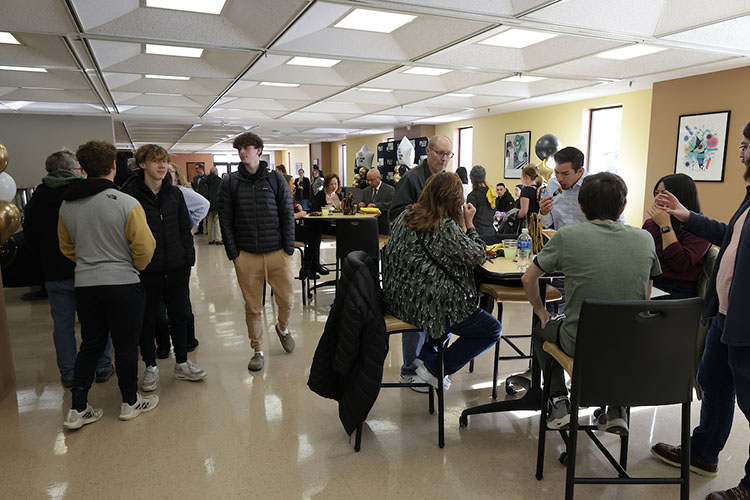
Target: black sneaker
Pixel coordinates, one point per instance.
(105, 375)
(192, 344)
(162, 353)
(322, 270)
(312, 275)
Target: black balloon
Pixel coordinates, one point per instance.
(546, 146)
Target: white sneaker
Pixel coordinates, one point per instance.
(77, 419)
(150, 379)
(411, 378)
(429, 378)
(188, 371)
(142, 405)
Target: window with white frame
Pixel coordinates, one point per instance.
(605, 134)
(465, 146)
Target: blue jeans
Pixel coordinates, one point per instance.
(723, 372)
(62, 306)
(411, 344)
(477, 333)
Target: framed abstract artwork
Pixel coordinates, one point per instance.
(516, 153)
(702, 146)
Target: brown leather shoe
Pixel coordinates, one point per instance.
(735, 493)
(672, 455)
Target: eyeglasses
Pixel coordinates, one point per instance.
(742, 148)
(447, 154)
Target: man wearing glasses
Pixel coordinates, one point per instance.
(408, 189)
(724, 371)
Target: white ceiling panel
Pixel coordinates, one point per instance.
(680, 14)
(731, 34)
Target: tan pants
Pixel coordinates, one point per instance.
(212, 226)
(276, 268)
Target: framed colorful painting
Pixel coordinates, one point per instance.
(702, 146)
(516, 153)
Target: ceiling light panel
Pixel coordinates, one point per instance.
(419, 70)
(365, 89)
(517, 38)
(459, 95)
(6, 37)
(630, 52)
(172, 50)
(167, 77)
(202, 6)
(313, 61)
(374, 20)
(23, 68)
(279, 84)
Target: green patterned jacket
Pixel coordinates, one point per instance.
(436, 290)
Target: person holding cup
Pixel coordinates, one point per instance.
(329, 197)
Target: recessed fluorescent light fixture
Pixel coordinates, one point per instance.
(279, 84)
(459, 95)
(163, 94)
(6, 37)
(515, 38)
(523, 79)
(419, 70)
(202, 6)
(630, 52)
(374, 20)
(367, 89)
(23, 68)
(167, 77)
(41, 88)
(313, 61)
(171, 50)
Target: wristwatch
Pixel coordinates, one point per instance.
(666, 229)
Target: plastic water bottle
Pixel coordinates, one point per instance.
(524, 250)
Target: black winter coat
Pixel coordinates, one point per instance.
(348, 362)
(255, 212)
(212, 185)
(40, 230)
(168, 218)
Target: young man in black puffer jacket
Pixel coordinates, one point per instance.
(167, 276)
(257, 225)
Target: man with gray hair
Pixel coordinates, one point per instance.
(408, 189)
(40, 231)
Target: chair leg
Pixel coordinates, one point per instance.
(570, 476)
(495, 369)
(542, 425)
(685, 458)
(624, 440)
(358, 438)
(440, 395)
(471, 366)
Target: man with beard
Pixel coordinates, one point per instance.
(725, 366)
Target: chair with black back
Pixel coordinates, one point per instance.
(356, 234)
(646, 350)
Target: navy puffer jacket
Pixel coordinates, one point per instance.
(168, 218)
(255, 212)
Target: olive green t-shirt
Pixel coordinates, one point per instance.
(602, 260)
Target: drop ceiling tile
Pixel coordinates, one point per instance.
(732, 34)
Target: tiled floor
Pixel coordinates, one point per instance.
(266, 435)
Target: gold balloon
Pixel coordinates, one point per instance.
(10, 220)
(3, 158)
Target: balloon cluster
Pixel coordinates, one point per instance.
(545, 148)
(10, 216)
(360, 178)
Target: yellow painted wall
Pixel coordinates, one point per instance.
(354, 144)
(566, 122)
(298, 155)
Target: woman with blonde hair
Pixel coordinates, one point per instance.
(429, 276)
(529, 199)
(197, 205)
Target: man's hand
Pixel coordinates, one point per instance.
(671, 205)
(362, 204)
(545, 205)
(371, 205)
(660, 217)
(543, 315)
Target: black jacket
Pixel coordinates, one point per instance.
(348, 362)
(255, 212)
(319, 200)
(736, 331)
(485, 213)
(302, 189)
(505, 203)
(409, 188)
(212, 184)
(168, 218)
(40, 226)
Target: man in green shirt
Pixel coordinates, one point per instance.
(600, 259)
